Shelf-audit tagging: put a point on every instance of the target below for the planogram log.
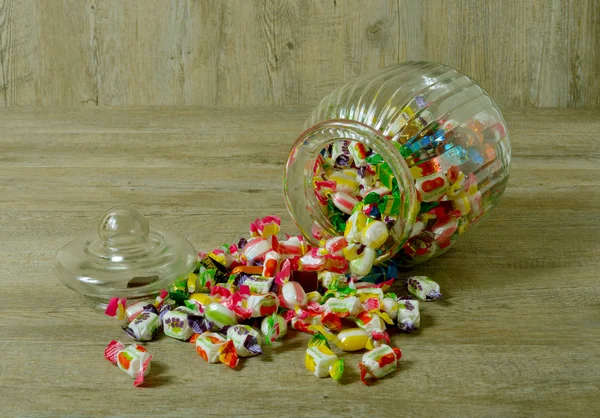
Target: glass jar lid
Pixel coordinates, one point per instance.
(125, 259)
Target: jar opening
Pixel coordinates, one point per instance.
(315, 218)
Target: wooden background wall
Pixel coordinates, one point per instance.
(287, 52)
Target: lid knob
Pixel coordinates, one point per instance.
(123, 226)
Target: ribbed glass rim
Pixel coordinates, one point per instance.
(299, 174)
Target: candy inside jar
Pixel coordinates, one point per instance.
(400, 170)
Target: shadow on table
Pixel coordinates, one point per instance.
(156, 376)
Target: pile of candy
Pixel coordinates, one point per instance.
(360, 195)
(269, 285)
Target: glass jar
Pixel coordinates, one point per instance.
(428, 136)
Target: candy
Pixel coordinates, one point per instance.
(274, 327)
(352, 339)
(408, 318)
(245, 339)
(219, 315)
(200, 299)
(344, 182)
(265, 227)
(145, 326)
(259, 284)
(134, 310)
(344, 202)
(257, 248)
(313, 296)
(309, 262)
(271, 264)
(213, 348)
(216, 270)
(358, 152)
(176, 323)
(321, 361)
(362, 265)
(247, 269)
(432, 187)
(293, 296)
(262, 304)
(390, 306)
(133, 360)
(424, 288)
(354, 225)
(369, 321)
(379, 362)
(374, 234)
(336, 245)
(348, 307)
(369, 293)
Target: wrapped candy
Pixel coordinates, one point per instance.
(257, 248)
(220, 316)
(424, 288)
(213, 347)
(259, 284)
(379, 362)
(345, 181)
(336, 245)
(353, 339)
(133, 360)
(354, 225)
(274, 327)
(369, 292)
(408, 318)
(271, 264)
(179, 322)
(245, 339)
(146, 325)
(374, 234)
(313, 296)
(262, 305)
(132, 311)
(432, 187)
(347, 307)
(215, 271)
(292, 295)
(321, 361)
(312, 262)
(362, 265)
(369, 321)
(265, 227)
(390, 305)
(301, 325)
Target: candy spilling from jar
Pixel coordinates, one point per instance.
(451, 166)
(245, 296)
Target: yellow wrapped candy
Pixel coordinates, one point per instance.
(321, 361)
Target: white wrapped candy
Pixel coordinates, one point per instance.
(176, 323)
(133, 360)
(246, 340)
(379, 362)
(423, 288)
(408, 317)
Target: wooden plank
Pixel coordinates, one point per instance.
(19, 47)
(282, 52)
(537, 53)
(321, 45)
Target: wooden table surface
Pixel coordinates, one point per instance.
(517, 332)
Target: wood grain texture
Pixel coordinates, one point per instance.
(534, 53)
(516, 334)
